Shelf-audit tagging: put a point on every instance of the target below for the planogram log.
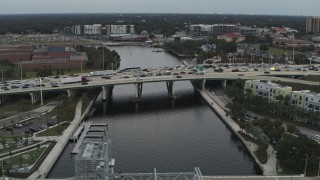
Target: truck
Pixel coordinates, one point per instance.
(69, 80)
(102, 73)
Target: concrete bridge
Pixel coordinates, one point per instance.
(107, 85)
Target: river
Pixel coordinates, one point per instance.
(172, 136)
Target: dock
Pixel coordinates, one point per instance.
(83, 129)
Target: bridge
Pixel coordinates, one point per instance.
(107, 85)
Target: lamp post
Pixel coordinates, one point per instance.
(2, 75)
(81, 65)
(60, 74)
(102, 57)
(41, 99)
(305, 167)
(21, 71)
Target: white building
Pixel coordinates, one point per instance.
(120, 29)
(307, 100)
(268, 90)
(92, 29)
(77, 30)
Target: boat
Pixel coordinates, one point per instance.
(157, 50)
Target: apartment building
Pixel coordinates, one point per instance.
(268, 90)
(307, 100)
(313, 24)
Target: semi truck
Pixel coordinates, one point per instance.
(102, 73)
(69, 80)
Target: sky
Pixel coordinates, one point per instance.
(262, 7)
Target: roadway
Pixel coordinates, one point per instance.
(177, 75)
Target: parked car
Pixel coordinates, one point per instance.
(50, 123)
(178, 77)
(9, 128)
(32, 129)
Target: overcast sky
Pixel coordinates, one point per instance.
(268, 7)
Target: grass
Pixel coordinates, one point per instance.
(261, 154)
(247, 137)
(20, 160)
(277, 51)
(55, 131)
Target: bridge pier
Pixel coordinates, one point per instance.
(107, 92)
(3, 99)
(223, 84)
(138, 90)
(35, 97)
(203, 84)
(170, 89)
(71, 92)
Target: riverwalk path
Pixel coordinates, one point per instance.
(62, 140)
(269, 169)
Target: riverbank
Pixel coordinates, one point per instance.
(269, 169)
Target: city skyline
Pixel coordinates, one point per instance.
(259, 7)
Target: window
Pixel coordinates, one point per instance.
(256, 86)
(300, 102)
(274, 91)
(270, 90)
(306, 98)
(251, 86)
(300, 97)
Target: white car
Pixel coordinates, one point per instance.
(317, 137)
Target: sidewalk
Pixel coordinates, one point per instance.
(269, 169)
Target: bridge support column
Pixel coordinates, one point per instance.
(170, 89)
(106, 92)
(3, 99)
(203, 84)
(138, 90)
(35, 97)
(223, 84)
(71, 92)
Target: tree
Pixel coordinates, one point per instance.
(291, 128)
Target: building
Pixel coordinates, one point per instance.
(16, 54)
(200, 30)
(224, 28)
(247, 31)
(119, 29)
(93, 161)
(313, 24)
(307, 100)
(94, 29)
(268, 90)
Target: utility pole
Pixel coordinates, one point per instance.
(103, 57)
(319, 167)
(81, 65)
(2, 75)
(305, 168)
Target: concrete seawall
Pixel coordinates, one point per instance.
(62, 141)
(234, 127)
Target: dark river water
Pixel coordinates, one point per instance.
(170, 135)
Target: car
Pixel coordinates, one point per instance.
(176, 73)
(9, 128)
(267, 72)
(190, 72)
(256, 69)
(54, 85)
(84, 83)
(50, 123)
(235, 70)
(317, 137)
(18, 125)
(241, 75)
(32, 129)
(25, 86)
(27, 132)
(182, 72)
(42, 127)
(5, 88)
(178, 77)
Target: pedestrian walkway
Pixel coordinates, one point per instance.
(269, 168)
(47, 164)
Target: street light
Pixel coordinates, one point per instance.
(60, 74)
(41, 99)
(305, 168)
(2, 75)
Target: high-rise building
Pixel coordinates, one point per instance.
(313, 24)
